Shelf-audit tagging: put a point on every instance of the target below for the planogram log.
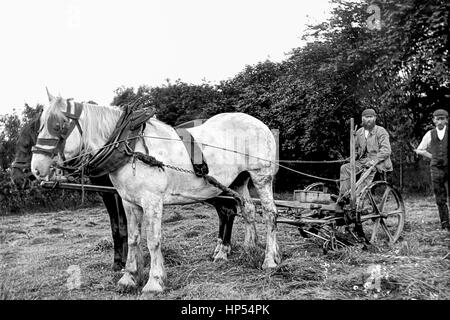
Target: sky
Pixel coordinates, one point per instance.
(87, 49)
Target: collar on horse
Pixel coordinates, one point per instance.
(120, 146)
(60, 130)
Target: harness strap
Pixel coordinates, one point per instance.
(195, 152)
(20, 165)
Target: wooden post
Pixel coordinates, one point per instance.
(401, 169)
(352, 165)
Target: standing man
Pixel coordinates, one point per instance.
(434, 146)
(372, 148)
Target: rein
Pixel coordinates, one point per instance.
(277, 163)
(79, 163)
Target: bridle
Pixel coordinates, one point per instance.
(61, 131)
(22, 160)
(24, 167)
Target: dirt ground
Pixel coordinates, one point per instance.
(42, 253)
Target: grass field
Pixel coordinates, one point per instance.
(38, 253)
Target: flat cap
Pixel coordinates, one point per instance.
(369, 112)
(440, 113)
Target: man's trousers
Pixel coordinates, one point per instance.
(439, 180)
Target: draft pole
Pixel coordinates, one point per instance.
(352, 165)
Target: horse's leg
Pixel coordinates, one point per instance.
(226, 210)
(123, 232)
(249, 215)
(134, 266)
(113, 204)
(222, 221)
(231, 211)
(153, 208)
(263, 185)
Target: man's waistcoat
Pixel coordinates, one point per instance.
(438, 148)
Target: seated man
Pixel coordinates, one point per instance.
(372, 148)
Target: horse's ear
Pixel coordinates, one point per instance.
(50, 96)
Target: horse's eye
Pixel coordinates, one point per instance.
(25, 170)
(64, 127)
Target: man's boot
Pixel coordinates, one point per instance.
(443, 215)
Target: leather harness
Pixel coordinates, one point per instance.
(120, 146)
(195, 152)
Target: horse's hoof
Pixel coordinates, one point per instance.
(153, 286)
(221, 256)
(216, 251)
(147, 296)
(218, 247)
(127, 282)
(269, 264)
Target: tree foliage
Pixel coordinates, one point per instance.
(10, 125)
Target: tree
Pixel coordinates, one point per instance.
(8, 139)
(175, 103)
(30, 113)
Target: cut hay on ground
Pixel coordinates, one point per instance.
(38, 253)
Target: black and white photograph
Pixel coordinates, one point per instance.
(243, 152)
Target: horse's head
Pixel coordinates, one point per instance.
(21, 167)
(57, 136)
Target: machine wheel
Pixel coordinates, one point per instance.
(382, 212)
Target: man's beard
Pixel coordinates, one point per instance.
(368, 125)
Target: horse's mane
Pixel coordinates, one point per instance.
(107, 115)
(27, 136)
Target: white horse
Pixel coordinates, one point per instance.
(146, 189)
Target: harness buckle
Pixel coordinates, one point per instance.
(133, 164)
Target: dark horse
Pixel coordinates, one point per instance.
(21, 176)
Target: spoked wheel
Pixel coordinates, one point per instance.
(382, 212)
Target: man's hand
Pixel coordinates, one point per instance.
(370, 163)
(424, 153)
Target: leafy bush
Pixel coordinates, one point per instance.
(39, 199)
